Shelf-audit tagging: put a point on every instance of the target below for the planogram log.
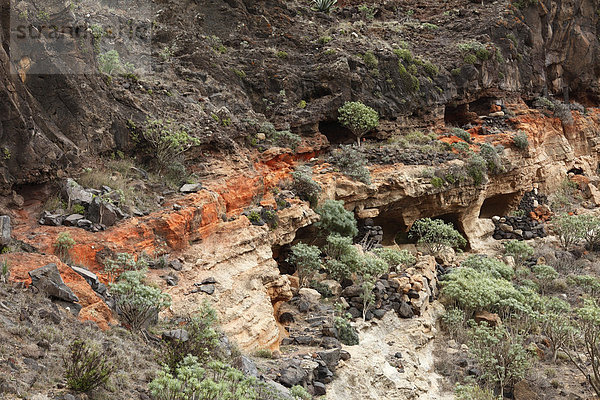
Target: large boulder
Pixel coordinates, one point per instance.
(47, 279)
(75, 193)
(102, 212)
(292, 375)
(5, 230)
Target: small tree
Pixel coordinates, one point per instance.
(86, 367)
(583, 349)
(136, 302)
(501, 356)
(556, 324)
(351, 163)
(168, 140)
(304, 186)
(307, 260)
(190, 380)
(395, 258)
(336, 219)
(544, 276)
(121, 263)
(64, 243)
(519, 250)
(202, 340)
(495, 268)
(358, 117)
(520, 140)
(372, 267)
(436, 235)
(569, 229)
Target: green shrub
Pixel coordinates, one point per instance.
(307, 260)
(461, 147)
(358, 117)
(122, 262)
(501, 356)
(324, 5)
(556, 324)
(520, 140)
(286, 139)
(470, 59)
(431, 69)
(494, 267)
(519, 250)
(304, 186)
(109, 62)
(395, 258)
(351, 163)
(453, 321)
(437, 182)
(299, 393)
(346, 333)
(218, 381)
(78, 209)
(477, 168)
(461, 134)
(569, 228)
(344, 258)
(544, 275)
(86, 367)
(336, 219)
(281, 54)
(404, 54)
(136, 302)
(473, 392)
(370, 60)
(586, 341)
(590, 284)
(168, 140)
(436, 235)
(63, 244)
(409, 81)
(202, 341)
(473, 291)
(492, 158)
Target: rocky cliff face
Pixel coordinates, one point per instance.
(268, 58)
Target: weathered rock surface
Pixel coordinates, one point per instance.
(374, 372)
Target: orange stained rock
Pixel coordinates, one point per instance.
(94, 309)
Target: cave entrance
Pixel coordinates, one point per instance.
(454, 219)
(308, 235)
(575, 171)
(499, 205)
(280, 255)
(336, 133)
(482, 106)
(394, 229)
(457, 115)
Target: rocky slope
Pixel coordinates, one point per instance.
(224, 69)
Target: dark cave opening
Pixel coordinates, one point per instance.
(482, 106)
(576, 171)
(457, 115)
(499, 205)
(336, 133)
(393, 226)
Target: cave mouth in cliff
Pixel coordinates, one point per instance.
(576, 171)
(336, 133)
(393, 227)
(500, 205)
(463, 114)
(457, 115)
(280, 255)
(454, 219)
